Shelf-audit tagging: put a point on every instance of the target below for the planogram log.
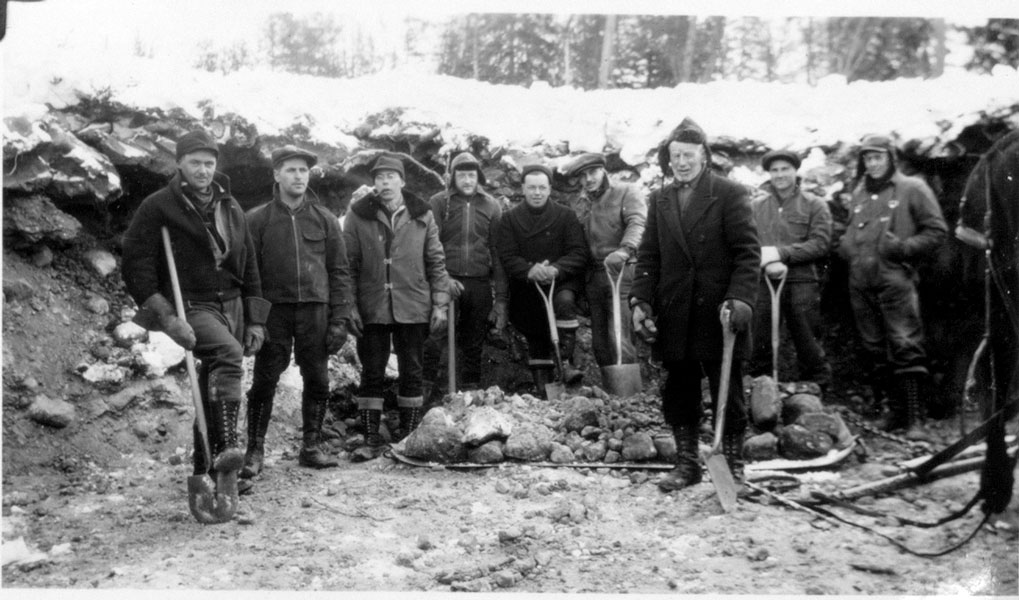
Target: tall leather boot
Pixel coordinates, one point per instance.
(732, 449)
(912, 384)
(223, 436)
(567, 345)
(688, 470)
(541, 376)
(259, 413)
(411, 413)
(313, 412)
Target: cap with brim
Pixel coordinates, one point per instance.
(584, 162)
(388, 163)
(876, 143)
(787, 155)
(280, 155)
(195, 141)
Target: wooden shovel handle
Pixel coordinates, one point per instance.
(728, 344)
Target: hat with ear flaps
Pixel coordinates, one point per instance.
(875, 143)
(689, 132)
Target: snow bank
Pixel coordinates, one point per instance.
(795, 116)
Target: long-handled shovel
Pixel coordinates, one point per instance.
(451, 341)
(208, 503)
(552, 390)
(714, 460)
(776, 294)
(619, 379)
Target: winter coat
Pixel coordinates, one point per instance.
(397, 269)
(612, 220)
(687, 266)
(206, 274)
(467, 228)
(905, 207)
(800, 228)
(301, 254)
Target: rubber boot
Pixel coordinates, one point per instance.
(312, 455)
(688, 470)
(259, 412)
(911, 392)
(567, 344)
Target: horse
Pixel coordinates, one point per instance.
(989, 221)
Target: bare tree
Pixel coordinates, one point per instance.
(607, 51)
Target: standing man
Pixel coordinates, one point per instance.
(613, 217)
(541, 241)
(222, 293)
(305, 275)
(895, 222)
(400, 288)
(794, 227)
(467, 218)
(699, 254)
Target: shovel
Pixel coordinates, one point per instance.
(209, 503)
(619, 379)
(714, 460)
(556, 389)
(451, 344)
(776, 293)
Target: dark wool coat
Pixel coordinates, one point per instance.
(687, 266)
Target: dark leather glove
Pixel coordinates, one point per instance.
(354, 324)
(336, 336)
(498, 316)
(644, 322)
(455, 288)
(892, 248)
(740, 314)
(439, 319)
(169, 323)
(254, 335)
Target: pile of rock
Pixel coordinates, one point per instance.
(792, 422)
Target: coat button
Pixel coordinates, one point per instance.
(700, 301)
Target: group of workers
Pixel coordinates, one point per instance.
(287, 279)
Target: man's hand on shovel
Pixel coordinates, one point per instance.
(740, 315)
(776, 270)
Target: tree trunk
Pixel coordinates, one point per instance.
(567, 58)
(689, 47)
(607, 51)
(472, 27)
(940, 50)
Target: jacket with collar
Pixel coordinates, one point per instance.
(467, 226)
(612, 220)
(800, 228)
(205, 273)
(688, 265)
(301, 254)
(397, 270)
(526, 238)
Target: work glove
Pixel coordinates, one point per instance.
(254, 335)
(769, 254)
(617, 260)
(498, 315)
(740, 314)
(354, 324)
(336, 336)
(644, 322)
(539, 272)
(168, 322)
(776, 270)
(439, 319)
(892, 248)
(455, 288)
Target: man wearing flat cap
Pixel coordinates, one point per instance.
(699, 255)
(613, 215)
(794, 227)
(220, 285)
(542, 242)
(895, 222)
(401, 293)
(305, 275)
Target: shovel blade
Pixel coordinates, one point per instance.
(554, 390)
(622, 380)
(721, 478)
(202, 500)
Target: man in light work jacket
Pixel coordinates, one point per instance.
(301, 255)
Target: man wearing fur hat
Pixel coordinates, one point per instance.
(613, 215)
(400, 288)
(304, 270)
(895, 222)
(222, 292)
(540, 241)
(794, 227)
(699, 254)
(467, 218)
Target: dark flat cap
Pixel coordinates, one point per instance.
(787, 155)
(194, 141)
(290, 151)
(876, 143)
(388, 163)
(588, 160)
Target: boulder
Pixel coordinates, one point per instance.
(158, 355)
(487, 453)
(132, 147)
(561, 454)
(638, 446)
(529, 441)
(54, 413)
(829, 423)
(580, 412)
(34, 219)
(97, 304)
(128, 334)
(765, 403)
(593, 451)
(436, 439)
(761, 447)
(42, 256)
(665, 445)
(798, 443)
(485, 424)
(102, 373)
(101, 261)
(17, 289)
(798, 404)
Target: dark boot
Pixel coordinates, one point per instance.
(688, 470)
(732, 448)
(223, 431)
(312, 454)
(567, 345)
(540, 376)
(259, 412)
(371, 421)
(912, 384)
(410, 418)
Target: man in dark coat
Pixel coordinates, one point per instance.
(540, 242)
(699, 253)
(220, 285)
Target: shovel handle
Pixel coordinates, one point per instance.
(776, 294)
(728, 344)
(553, 332)
(617, 315)
(451, 342)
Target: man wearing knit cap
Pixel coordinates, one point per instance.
(613, 216)
(467, 218)
(304, 270)
(400, 289)
(540, 242)
(222, 292)
(895, 222)
(699, 254)
(794, 227)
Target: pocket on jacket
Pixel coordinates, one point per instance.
(799, 226)
(315, 240)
